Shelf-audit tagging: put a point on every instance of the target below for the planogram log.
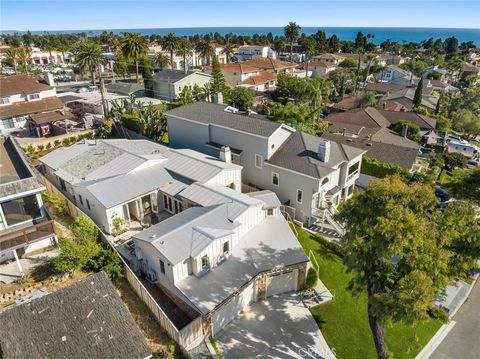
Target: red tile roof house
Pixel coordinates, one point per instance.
(22, 96)
(241, 74)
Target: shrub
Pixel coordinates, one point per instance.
(173, 350)
(117, 225)
(311, 280)
(58, 204)
(65, 141)
(49, 145)
(40, 148)
(84, 229)
(72, 257)
(30, 149)
(56, 143)
(131, 122)
(329, 246)
(108, 261)
(372, 167)
(413, 130)
(454, 160)
(439, 313)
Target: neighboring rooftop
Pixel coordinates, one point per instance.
(19, 84)
(176, 75)
(124, 88)
(86, 319)
(300, 153)
(261, 78)
(239, 67)
(267, 63)
(29, 107)
(209, 113)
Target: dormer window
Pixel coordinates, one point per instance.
(226, 248)
(33, 96)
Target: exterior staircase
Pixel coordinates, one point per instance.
(326, 225)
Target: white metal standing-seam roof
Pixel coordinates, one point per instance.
(268, 197)
(61, 156)
(176, 236)
(210, 195)
(270, 244)
(195, 166)
(117, 190)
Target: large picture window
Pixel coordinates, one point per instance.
(21, 209)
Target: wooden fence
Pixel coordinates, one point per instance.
(189, 336)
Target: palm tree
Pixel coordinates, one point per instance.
(161, 60)
(114, 44)
(292, 31)
(205, 50)
(23, 55)
(88, 55)
(12, 57)
(170, 43)
(308, 47)
(371, 59)
(184, 49)
(134, 47)
(228, 51)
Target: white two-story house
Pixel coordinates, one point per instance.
(249, 52)
(311, 175)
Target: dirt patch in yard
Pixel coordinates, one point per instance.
(156, 338)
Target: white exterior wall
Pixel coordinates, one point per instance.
(227, 177)
(276, 140)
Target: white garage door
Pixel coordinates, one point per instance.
(230, 310)
(282, 283)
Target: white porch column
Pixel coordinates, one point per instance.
(18, 263)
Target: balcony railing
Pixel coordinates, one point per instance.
(351, 175)
(17, 238)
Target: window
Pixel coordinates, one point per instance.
(205, 263)
(353, 168)
(162, 266)
(275, 179)
(325, 181)
(88, 205)
(165, 201)
(21, 209)
(226, 247)
(62, 185)
(299, 195)
(4, 100)
(74, 199)
(270, 212)
(81, 199)
(258, 161)
(33, 96)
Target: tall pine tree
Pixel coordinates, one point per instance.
(218, 84)
(417, 98)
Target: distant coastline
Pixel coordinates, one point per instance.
(344, 33)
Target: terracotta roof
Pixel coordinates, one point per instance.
(239, 67)
(259, 79)
(394, 106)
(47, 117)
(270, 64)
(321, 64)
(348, 103)
(17, 84)
(31, 107)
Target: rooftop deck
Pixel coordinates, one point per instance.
(19, 236)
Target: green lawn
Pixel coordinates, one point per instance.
(344, 322)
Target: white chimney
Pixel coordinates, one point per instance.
(218, 98)
(324, 150)
(226, 154)
(49, 79)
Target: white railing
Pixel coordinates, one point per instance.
(350, 176)
(333, 222)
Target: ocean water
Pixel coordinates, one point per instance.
(344, 33)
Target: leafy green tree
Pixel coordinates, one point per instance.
(23, 55)
(147, 75)
(134, 47)
(88, 56)
(455, 160)
(84, 229)
(108, 261)
(218, 83)
(413, 130)
(198, 93)
(242, 98)
(333, 44)
(465, 184)
(343, 81)
(292, 31)
(400, 248)
(349, 63)
(417, 98)
(120, 67)
(466, 122)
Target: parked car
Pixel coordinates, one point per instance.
(442, 193)
(472, 163)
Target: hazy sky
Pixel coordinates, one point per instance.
(118, 14)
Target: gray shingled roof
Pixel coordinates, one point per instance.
(383, 152)
(174, 76)
(84, 320)
(423, 122)
(209, 113)
(299, 153)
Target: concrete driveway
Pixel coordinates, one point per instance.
(280, 327)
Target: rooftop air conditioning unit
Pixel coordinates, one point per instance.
(151, 276)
